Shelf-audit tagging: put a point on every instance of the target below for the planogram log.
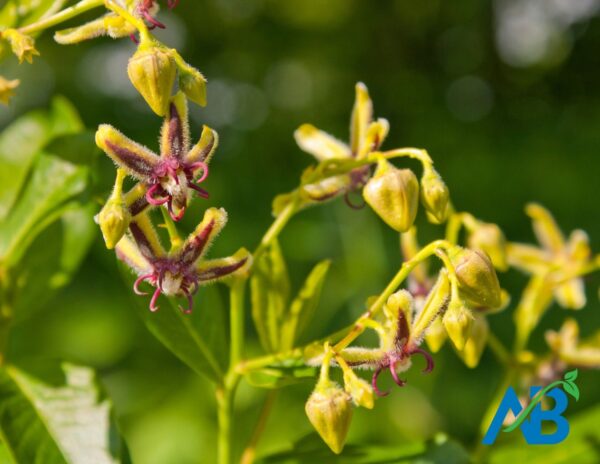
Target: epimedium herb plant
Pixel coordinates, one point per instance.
(416, 312)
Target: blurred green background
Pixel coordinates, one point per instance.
(503, 94)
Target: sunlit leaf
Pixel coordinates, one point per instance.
(55, 425)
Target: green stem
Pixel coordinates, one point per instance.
(226, 393)
(61, 16)
(273, 232)
(250, 451)
(498, 349)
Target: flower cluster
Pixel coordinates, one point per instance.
(166, 181)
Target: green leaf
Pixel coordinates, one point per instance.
(53, 182)
(270, 289)
(571, 389)
(176, 332)
(580, 446)
(69, 424)
(304, 305)
(19, 145)
(311, 450)
(45, 269)
(571, 375)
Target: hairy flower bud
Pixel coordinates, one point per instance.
(193, 84)
(436, 335)
(434, 195)
(402, 300)
(458, 321)
(113, 219)
(329, 409)
(394, 195)
(152, 72)
(477, 279)
(490, 239)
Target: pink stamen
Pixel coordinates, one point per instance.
(428, 358)
(151, 20)
(200, 165)
(153, 306)
(399, 382)
(377, 391)
(134, 39)
(137, 283)
(175, 217)
(155, 201)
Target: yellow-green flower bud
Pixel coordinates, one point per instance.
(473, 349)
(434, 195)
(458, 321)
(394, 195)
(23, 46)
(436, 335)
(193, 84)
(490, 239)
(477, 279)
(359, 389)
(113, 219)
(402, 300)
(329, 409)
(7, 89)
(152, 72)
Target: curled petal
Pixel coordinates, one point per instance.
(190, 300)
(151, 199)
(217, 269)
(362, 115)
(376, 389)
(146, 238)
(545, 228)
(200, 165)
(348, 201)
(205, 148)
(198, 241)
(137, 160)
(176, 217)
(148, 17)
(175, 133)
(320, 144)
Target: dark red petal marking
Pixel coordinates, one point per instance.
(172, 3)
(175, 133)
(201, 192)
(428, 358)
(151, 20)
(141, 166)
(403, 330)
(142, 241)
(138, 206)
(134, 39)
(377, 391)
(222, 271)
(194, 247)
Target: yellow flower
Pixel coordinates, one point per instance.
(567, 347)
(558, 262)
(7, 89)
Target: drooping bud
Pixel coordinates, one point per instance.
(434, 195)
(394, 195)
(193, 84)
(114, 218)
(473, 349)
(477, 279)
(436, 335)
(329, 409)
(152, 72)
(458, 321)
(489, 238)
(359, 389)
(23, 46)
